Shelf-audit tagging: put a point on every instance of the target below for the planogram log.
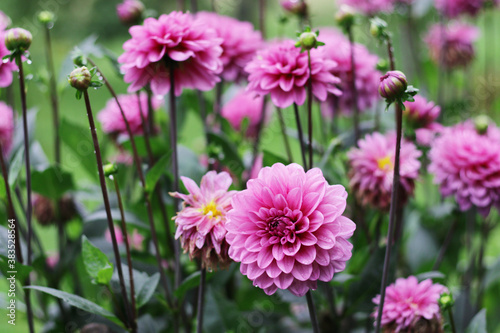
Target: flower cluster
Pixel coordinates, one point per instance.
(6, 67)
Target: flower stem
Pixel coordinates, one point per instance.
(312, 312)
(309, 110)
(445, 245)
(285, 136)
(262, 17)
(194, 6)
(129, 257)
(29, 210)
(106, 204)
(354, 89)
(201, 300)
(260, 127)
(452, 320)
(301, 135)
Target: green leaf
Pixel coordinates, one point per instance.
(15, 167)
(192, 281)
(96, 263)
(76, 301)
(3, 189)
(155, 173)
(228, 152)
(52, 182)
(271, 158)
(478, 323)
(158, 145)
(21, 270)
(147, 289)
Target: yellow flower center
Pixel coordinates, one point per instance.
(385, 163)
(210, 209)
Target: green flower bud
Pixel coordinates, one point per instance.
(80, 78)
(308, 40)
(110, 169)
(393, 85)
(18, 40)
(46, 17)
(482, 123)
(345, 17)
(446, 301)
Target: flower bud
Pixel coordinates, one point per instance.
(43, 210)
(345, 16)
(382, 65)
(392, 85)
(46, 17)
(378, 27)
(18, 39)
(110, 169)
(130, 12)
(297, 7)
(308, 40)
(80, 60)
(446, 301)
(482, 123)
(80, 78)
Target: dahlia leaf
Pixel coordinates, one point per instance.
(146, 291)
(3, 189)
(53, 182)
(96, 263)
(155, 173)
(478, 323)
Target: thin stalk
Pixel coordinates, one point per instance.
(394, 199)
(452, 320)
(151, 115)
(301, 134)
(194, 6)
(262, 17)
(485, 231)
(201, 300)
(29, 211)
(107, 207)
(309, 110)
(357, 132)
(312, 312)
(446, 244)
(127, 249)
(260, 126)
(219, 87)
(285, 136)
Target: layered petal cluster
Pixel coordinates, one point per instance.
(407, 302)
(282, 71)
(287, 229)
(370, 7)
(111, 118)
(175, 42)
(466, 164)
(240, 42)
(338, 49)
(6, 126)
(245, 104)
(372, 169)
(452, 46)
(421, 116)
(454, 8)
(6, 67)
(201, 224)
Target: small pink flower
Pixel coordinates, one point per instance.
(294, 6)
(130, 11)
(111, 118)
(6, 67)
(52, 260)
(466, 165)
(407, 301)
(281, 70)
(452, 46)
(6, 127)
(175, 41)
(287, 229)
(370, 7)
(240, 43)
(372, 169)
(201, 224)
(135, 240)
(454, 8)
(421, 113)
(245, 104)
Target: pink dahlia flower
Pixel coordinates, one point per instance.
(466, 165)
(4, 21)
(338, 49)
(454, 8)
(370, 7)
(135, 240)
(287, 229)
(52, 260)
(281, 70)
(6, 126)
(372, 169)
(407, 302)
(6, 67)
(422, 116)
(298, 7)
(245, 104)
(130, 11)
(201, 224)
(111, 118)
(452, 46)
(240, 43)
(175, 41)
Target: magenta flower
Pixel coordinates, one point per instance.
(245, 104)
(466, 165)
(372, 169)
(135, 240)
(4, 21)
(52, 260)
(175, 41)
(111, 118)
(294, 6)
(6, 67)
(370, 7)
(452, 46)
(240, 43)
(407, 302)
(201, 224)
(338, 49)
(6, 126)
(287, 229)
(130, 11)
(454, 8)
(422, 116)
(281, 70)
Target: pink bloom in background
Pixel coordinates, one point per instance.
(130, 11)
(294, 6)
(407, 301)
(123, 157)
(201, 224)
(52, 260)
(6, 126)
(422, 115)
(135, 239)
(6, 68)
(370, 7)
(281, 70)
(240, 43)
(466, 165)
(176, 41)
(454, 8)
(456, 41)
(111, 118)
(338, 49)
(372, 169)
(245, 104)
(287, 229)
(4, 21)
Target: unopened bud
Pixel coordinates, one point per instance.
(446, 301)
(110, 169)
(378, 27)
(80, 78)
(345, 16)
(308, 40)
(46, 17)
(130, 11)
(392, 85)
(382, 65)
(482, 123)
(297, 7)
(18, 40)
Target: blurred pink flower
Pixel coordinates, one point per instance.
(130, 11)
(338, 49)
(6, 67)
(454, 8)
(281, 70)
(372, 169)
(456, 41)
(294, 6)
(370, 7)
(240, 43)
(466, 165)
(245, 104)
(135, 239)
(201, 224)
(407, 301)
(287, 229)
(4, 21)
(6, 126)
(111, 118)
(52, 260)
(123, 157)
(421, 115)
(176, 41)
